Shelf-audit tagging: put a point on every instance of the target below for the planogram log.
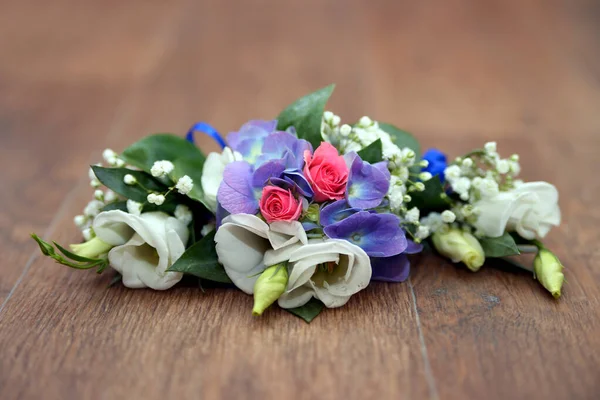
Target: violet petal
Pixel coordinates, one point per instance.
(270, 169)
(236, 194)
(379, 235)
(367, 184)
(390, 269)
(335, 212)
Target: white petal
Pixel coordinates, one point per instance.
(296, 298)
(284, 233)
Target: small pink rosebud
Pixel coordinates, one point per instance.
(277, 204)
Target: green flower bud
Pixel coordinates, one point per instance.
(312, 214)
(548, 270)
(268, 287)
(458, 246)
(93, 248)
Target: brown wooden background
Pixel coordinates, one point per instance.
(79, 76)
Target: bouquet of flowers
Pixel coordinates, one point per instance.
(305, 211)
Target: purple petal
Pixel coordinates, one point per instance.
(284, 145)
(382, 166)
(334, 212)
(220, 214)
(379, 235)
(367, 184)
(390, 269)
(236, 194)
(270, 169)
(309, 226)
(249, 139)
(302, 185)
(413, 248)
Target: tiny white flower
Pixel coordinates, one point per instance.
(93, 208)
(407, 198)
(95, 183)
(80, 220)
(151, 198)
(133, 207)
(412, 215)
(119, 163)
(452, 173)
(161, 168)
(462, 185)
(490, 147)
(112, 161)
(365, 122)
(183, 214)
(396, 196)
(425, 176)
(109, 196)
(488, 187)
(422, 232)
(184, 185)
(467, 163)
(448, 217)
(402, 173)
(129, 179)
(433, 221)
(419, 186)
(108, 154)
(87, 234)
(345, 130)
(327, 116)
(157, 199)
(515, 167)
(502, 166)
(424, 163)
(99, 194)
(335, 120)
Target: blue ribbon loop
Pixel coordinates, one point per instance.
(207, 129)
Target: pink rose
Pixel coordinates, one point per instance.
(277, 204)
(327, 173)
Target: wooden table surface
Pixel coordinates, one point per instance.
(77, 77)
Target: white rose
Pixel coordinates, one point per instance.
(531, 209)
(242, 241)
(146, 246)
(212, 174)
(349, 272)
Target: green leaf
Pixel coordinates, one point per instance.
(372, 153)
(115, 205)
(309, 311)
(201, 260)
(306, 114)
(112, 178)
(191, 167)
(501, 246)
(402, 138)
(432, 198)
(161, 146)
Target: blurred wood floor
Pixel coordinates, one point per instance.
(79, 76)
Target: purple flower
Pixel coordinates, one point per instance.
(335, 212)
(395, 268)
(367, 184)
(379, 235)
(249, 140)
(284, 145)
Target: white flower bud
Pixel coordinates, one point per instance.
(109, 196)
(79, 220)
(108, 154)
(95, 183)
(448, 217)
(99, 194)
(467, 163)
(452, 173)
(327, 116)
(161, 168)
(184, 185)
(335, 120)
(112, 161)
(502, 166)
(133, 207)
(407, 198)
(345, 130)
(87, 234)
(119, 163)
(159, 200)
(490, 147)
(422, 232)
(425, 176)
(419, 186)
(151, 198)
(412, 215)
(365, 122)
(129, 179)
(424, 163)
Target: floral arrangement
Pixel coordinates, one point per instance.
(305, 211)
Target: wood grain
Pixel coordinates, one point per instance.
(83, 76)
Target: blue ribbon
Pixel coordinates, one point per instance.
(207, 129)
